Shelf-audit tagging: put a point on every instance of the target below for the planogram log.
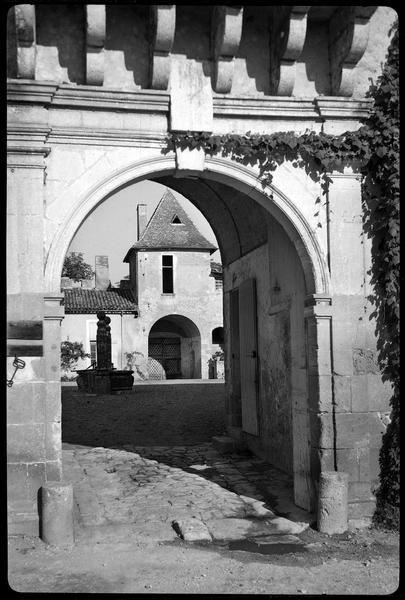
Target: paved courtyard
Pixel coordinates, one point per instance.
(148, 488)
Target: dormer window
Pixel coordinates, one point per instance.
(176, 220)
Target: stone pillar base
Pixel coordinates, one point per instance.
(57, 514)
(332, 502)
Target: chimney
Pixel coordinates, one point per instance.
(102, 276)
(141, 210)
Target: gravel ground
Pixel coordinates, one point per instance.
(358, 563)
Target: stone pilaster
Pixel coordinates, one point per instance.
(358, 392)
(26, 398)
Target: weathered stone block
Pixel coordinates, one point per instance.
(342, 393)
(36, 478)
(377, 428)
(379, 392)
(53, 470)
(360, 491)
(326, 438)
(53, 401)
(352, 430)
(53, 441)
(16, 485)
(360, 397)
(26, 443)
(38, 403)
(326, 457)
(23, 523)
(361, 510)
(192, 530)
(374, 465)
(365, 361)
(20, 403)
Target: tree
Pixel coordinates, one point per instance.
(75, 268)
(70, 354)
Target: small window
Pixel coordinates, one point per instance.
(93, 351)
(219, 284)
(167, 274)
(218, 335)
(176, 220)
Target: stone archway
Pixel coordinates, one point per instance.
(283, 322)
(174, 342)
(236, 176)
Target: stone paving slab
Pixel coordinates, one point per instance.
(192, 530)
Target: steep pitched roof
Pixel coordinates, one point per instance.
(78, 300)
(170, 228)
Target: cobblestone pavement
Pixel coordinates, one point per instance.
(148, 488)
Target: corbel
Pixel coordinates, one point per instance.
(288, 29)
(26, 40)
(226, 36)
(348, 38)
(95, 40)
(163, 25)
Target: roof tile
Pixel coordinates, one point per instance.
(78, 300)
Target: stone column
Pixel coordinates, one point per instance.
(318, 318)
(53, 315)
(26, 399)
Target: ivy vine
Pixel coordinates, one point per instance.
(373, 152)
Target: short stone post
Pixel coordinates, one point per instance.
(332, 502)
(57, 513)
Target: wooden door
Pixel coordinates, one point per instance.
(167, 351)
(248, 356)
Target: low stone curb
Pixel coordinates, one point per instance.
(236, 529)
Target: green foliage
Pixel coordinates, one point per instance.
(373, 152)
(70, 353)
(75, 267)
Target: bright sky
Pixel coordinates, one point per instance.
(111, 229)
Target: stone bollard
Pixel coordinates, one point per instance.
(57, 514)
(332, 502)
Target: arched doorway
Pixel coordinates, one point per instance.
(272, 264)
(174, 344)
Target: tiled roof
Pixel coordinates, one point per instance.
(165, 232)
(78, 300)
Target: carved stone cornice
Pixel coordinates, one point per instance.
(273, 107)
(226, 36)
(331, 107)
(24, 15)
(54, 309)
(26, 146)
(163, 25)
(348, 38)
(90, 97)
(106, 137)
(95, 39)
(288, 28)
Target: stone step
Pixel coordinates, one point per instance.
(192, 530)
(236, 529)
